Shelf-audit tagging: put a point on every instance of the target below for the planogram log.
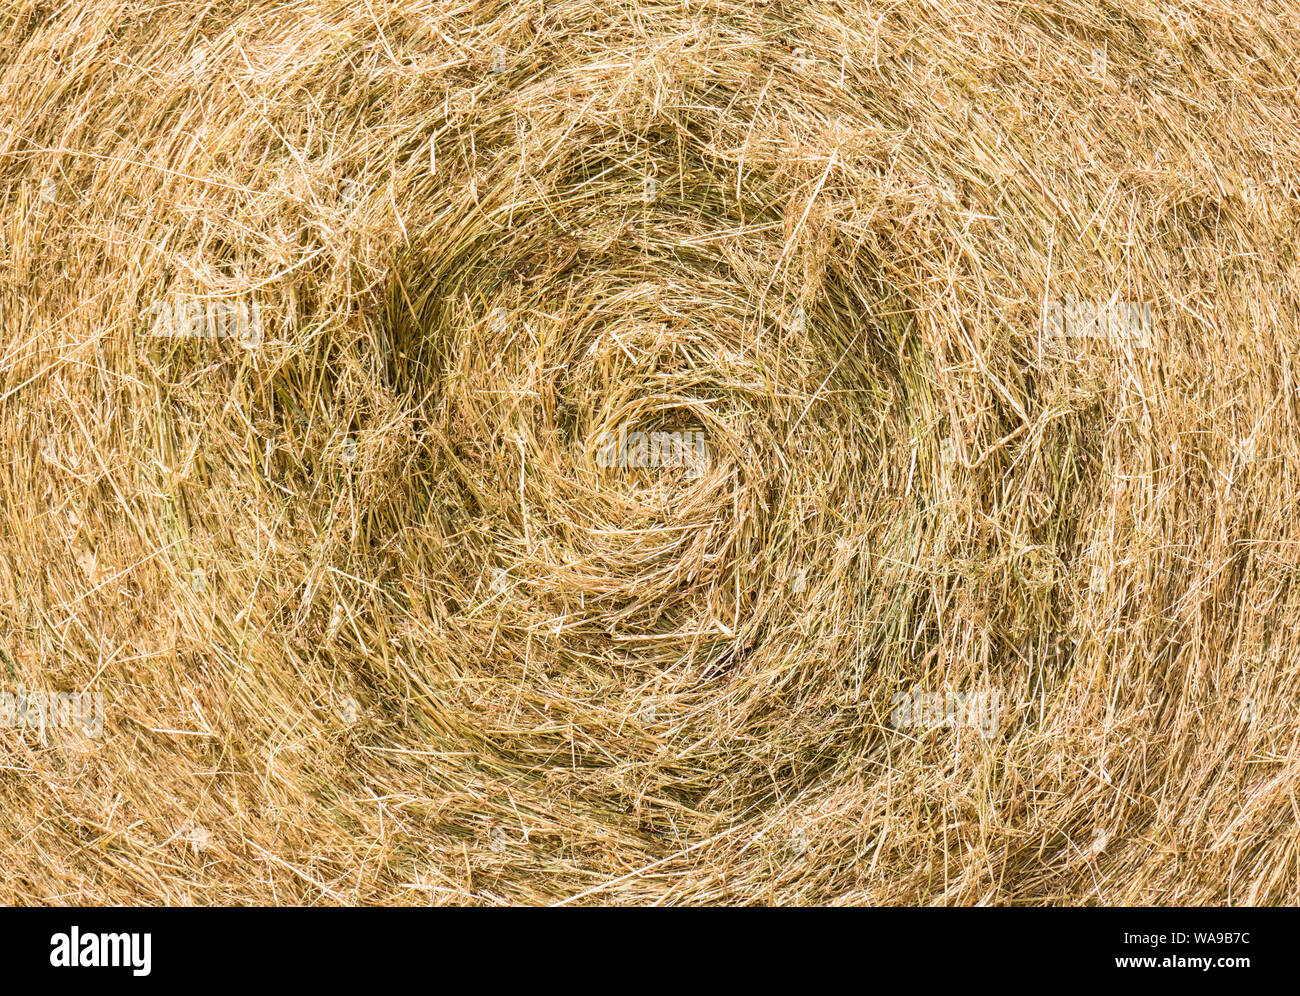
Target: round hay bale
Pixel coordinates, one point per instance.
(715, 453)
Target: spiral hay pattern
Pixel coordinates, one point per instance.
(662, 469)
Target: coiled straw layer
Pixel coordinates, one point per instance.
(677, 459)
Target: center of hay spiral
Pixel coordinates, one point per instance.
(662, 468)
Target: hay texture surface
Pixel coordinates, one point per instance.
(650, 453)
